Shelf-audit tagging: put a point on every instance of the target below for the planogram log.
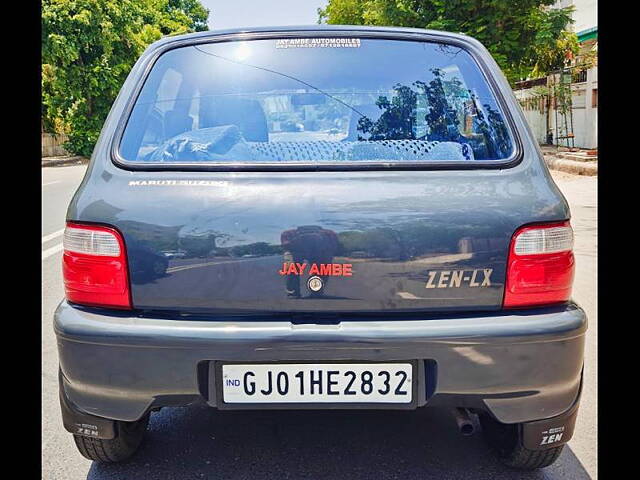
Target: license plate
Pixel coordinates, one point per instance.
(318, 383)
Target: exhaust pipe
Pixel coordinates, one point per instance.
(464, 421)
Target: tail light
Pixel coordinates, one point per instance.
(540, 266)
(94, 266)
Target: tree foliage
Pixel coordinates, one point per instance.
(525, 37)
(89, 47)
(397, 120)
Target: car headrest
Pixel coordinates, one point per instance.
(176, 122)
(372, 112)
(246, 114)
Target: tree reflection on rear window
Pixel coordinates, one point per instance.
(315, 100)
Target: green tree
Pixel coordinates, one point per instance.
(89, 47)
(526, 38)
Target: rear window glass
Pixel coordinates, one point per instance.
(315, 100)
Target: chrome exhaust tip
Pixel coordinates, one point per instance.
(465, 424)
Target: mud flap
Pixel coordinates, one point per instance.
(79, 423)
(550, 432)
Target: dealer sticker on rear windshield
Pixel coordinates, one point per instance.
(318, 43)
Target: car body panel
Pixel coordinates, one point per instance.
(407, 224)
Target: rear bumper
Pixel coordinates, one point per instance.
(519, 366)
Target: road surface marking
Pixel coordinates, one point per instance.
(51, 251)
(51, 236)
(408, 296)
(180, 268)
(51, 183)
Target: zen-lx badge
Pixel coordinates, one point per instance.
(478, 277)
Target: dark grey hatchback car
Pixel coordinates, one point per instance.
(320, 217)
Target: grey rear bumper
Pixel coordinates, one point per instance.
(520, 366)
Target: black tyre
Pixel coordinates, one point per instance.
(128, 440)
(504, 440)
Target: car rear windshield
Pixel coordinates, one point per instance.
(317, 101)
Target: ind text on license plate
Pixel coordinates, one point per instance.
(323, 383)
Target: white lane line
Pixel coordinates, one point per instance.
(51, 183)
(408, 296)
(51, 251)
(180, 268)
(51, 236)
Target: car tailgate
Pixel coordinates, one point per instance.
(379, 241)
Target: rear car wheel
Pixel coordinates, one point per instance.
(505, 441)
(126, 443)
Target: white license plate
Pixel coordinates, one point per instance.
(318, 383)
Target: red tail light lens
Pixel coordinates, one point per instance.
(94, 266)
(540, 266)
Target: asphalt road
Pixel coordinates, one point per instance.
(199, 442)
